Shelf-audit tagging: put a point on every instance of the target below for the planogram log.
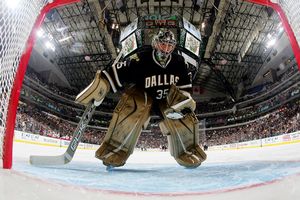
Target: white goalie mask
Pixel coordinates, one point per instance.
(164, 43)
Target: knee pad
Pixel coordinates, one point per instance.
(129, 117)
(183, 140)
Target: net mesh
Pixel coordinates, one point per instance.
(17, 19)
(291, 8)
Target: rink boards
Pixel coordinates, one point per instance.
(270, 141)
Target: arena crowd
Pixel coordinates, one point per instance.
(277, 115)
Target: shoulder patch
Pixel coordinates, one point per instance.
(134, 57)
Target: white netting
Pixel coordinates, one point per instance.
(17, 18)
(291, 8)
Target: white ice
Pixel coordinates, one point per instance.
(16, 185)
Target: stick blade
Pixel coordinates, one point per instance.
(49, 160)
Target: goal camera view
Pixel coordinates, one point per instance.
(149, 99)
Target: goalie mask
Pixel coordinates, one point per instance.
(164, 43)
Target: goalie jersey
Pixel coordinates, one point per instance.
(143, 70)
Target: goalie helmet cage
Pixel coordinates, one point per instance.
(17, 28)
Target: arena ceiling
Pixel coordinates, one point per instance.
(234, 33)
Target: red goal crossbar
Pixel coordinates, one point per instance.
(285, 22)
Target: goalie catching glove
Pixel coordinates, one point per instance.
(179, 103)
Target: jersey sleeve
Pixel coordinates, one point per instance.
(185, 81)
(120, 73)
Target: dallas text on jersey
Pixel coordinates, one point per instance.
(160, 80)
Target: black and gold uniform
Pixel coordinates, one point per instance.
(159, 80)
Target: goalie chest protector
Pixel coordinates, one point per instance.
(143, 70)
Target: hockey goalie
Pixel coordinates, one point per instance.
(153, 81)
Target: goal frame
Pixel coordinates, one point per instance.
(16, 89)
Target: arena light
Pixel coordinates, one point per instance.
(40, 32)
(64, 39)
(49, 45)
(12, 3)
(269, 36)
(115, 26)
(271, 43)
(281, 29)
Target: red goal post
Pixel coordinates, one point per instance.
(18, 24)
(17, 36)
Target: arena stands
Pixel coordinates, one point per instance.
(49, 110)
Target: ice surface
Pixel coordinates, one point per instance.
(262, 173)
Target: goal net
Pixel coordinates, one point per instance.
(19, 19)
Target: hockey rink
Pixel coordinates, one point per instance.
(258, 173)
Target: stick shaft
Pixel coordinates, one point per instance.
(77, 135)
(84, 121)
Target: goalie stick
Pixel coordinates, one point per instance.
(68, 155)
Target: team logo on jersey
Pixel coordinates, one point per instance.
(160, 80)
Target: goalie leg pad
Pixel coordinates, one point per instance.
(97, 90)
(183, 139)
(130, 115)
